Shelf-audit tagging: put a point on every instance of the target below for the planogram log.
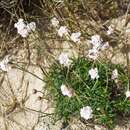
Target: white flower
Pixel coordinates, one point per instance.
(66, 91)
(4, 64)
(55, 22)
(114, 74)
(86, 112)
(64, 59)
(24, 29)
(98, 45)
(96, 41)
(110, 30)
(127, 94)
(94, 73)
(93, 54)
(62, 31)
(31, 26)
(75, 37)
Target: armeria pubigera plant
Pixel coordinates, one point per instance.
(76, 92)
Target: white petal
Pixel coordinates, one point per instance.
(31, 26)
(65, 91)
(110, 30)
(55, 22)
(75, 37)
(62, 31)
(127, 94)
(24, 32)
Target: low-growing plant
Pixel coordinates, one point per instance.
(105, 95)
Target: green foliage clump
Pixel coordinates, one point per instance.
(105, 96)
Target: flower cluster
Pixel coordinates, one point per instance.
(24, 29)
(85, 112)
(84, 86)
(98, 45)
(64, 31)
